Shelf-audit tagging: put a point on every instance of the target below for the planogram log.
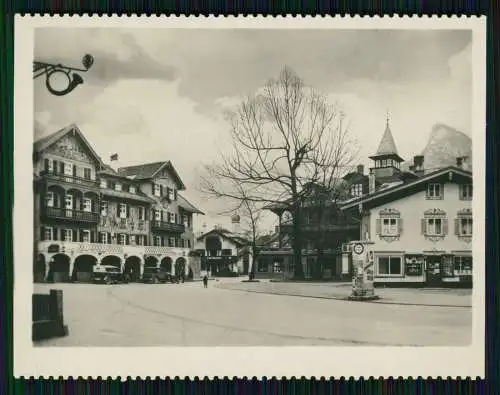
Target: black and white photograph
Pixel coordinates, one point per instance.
(234, 192)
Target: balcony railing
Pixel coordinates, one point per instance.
(288, 227)
(168, 226)
(72, 215)
(75, 248)
(70, 179)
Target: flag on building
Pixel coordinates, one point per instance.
(114, 157)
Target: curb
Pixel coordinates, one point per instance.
(346, 298)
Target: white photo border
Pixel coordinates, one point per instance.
(235, 361)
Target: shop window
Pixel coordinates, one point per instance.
(465, 192)
(463, 265)
(389, 266)
(447, 266)
(414, 265)
(434, 191)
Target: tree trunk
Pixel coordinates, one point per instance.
(297, 244)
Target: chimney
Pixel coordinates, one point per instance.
(418, 164)
(460, 160)
(361, 169)
(371, 182)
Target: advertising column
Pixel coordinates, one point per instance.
(362, 263)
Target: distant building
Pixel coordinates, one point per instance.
(87, 214)
(224, 252)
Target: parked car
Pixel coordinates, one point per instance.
(108, 274)
(156, 275)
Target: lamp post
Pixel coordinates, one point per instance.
(50, 70)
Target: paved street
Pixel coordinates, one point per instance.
(189, 315)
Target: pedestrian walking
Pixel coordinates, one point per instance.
(205, 281)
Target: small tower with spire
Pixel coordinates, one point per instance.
(387, 162)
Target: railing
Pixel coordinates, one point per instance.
(288, 228)
(69, 179)
(76, 215)
(168, 226)
(68, 247)
(113, 224)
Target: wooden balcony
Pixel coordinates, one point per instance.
(288, 227)
(167, 227)
(69, 179)
(70, 215)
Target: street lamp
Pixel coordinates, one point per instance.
(53, 70)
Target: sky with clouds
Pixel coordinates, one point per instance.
(158, 94)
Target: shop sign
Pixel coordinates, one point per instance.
(414, 266)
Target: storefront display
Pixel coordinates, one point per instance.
(414, 265)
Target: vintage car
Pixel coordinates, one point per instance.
(107, 274)
(154, 275)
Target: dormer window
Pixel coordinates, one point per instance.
(466, 192)
(434, 191)
(357, 190)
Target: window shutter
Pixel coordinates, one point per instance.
(74, 170)
(127, 209)
(54, 233)
(92, 236)
(74, 235)
(457, 226)
(427, 191)
(152, 188)
(127, 240)
(162, 241)
(445, 226)
(460, 192)
(161, 190)
(46, 164)
(175, 194)
(144, 239)
(61, 167)
(400, 226)
(423, 226)
(42, 233)
(379, 226)
(176, 219)
(109, 237)
(54, 166)
(99, 237)
(441, 186)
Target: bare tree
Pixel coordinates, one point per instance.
(281, 140)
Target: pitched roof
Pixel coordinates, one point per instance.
(387, 144)
(45, 142)
(236, 238)
(150, 170)
(183, 202)
(406, 186)
(139, 196)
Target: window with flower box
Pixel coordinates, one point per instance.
(389, 225)
(464, 224)
(434, 225)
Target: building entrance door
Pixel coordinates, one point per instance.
(433, 269)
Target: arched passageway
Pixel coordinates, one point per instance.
(111, 260)
(180, 267)
(151, 261)
(132, 268)
(39, 267)
(83, 268)
(166, 264)
(59, 268)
